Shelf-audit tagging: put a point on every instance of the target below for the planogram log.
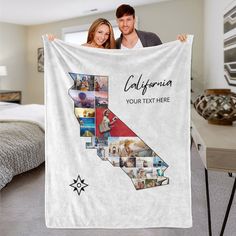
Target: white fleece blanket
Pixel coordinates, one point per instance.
(117, 136)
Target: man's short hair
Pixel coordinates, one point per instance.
(125, 10)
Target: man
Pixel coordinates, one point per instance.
(132, 38)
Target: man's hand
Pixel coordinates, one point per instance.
(182, 37)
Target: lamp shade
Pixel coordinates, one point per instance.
(3, 70)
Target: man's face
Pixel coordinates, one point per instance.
(126, 24)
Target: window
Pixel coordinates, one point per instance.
(79, 34)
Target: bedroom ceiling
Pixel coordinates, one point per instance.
(32, 12)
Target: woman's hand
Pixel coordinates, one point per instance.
(182, 37)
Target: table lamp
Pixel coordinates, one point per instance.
(3, 71)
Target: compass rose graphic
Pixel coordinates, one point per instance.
(79, 185)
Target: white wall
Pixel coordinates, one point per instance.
(167, 19)
(13, 41)
(213, 44)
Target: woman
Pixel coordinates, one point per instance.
(100, 35)
(106, 125)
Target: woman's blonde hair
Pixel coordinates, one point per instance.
(110, 43)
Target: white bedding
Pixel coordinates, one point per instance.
(33, 113)
(6, 105)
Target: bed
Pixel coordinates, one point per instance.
(21, 139)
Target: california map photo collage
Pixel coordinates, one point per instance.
(114, 141)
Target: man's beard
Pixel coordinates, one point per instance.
(129, 32)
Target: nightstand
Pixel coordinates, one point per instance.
(10, 96)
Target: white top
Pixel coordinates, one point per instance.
(137, 45)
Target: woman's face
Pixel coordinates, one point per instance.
(107, 114)
(101, 34)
